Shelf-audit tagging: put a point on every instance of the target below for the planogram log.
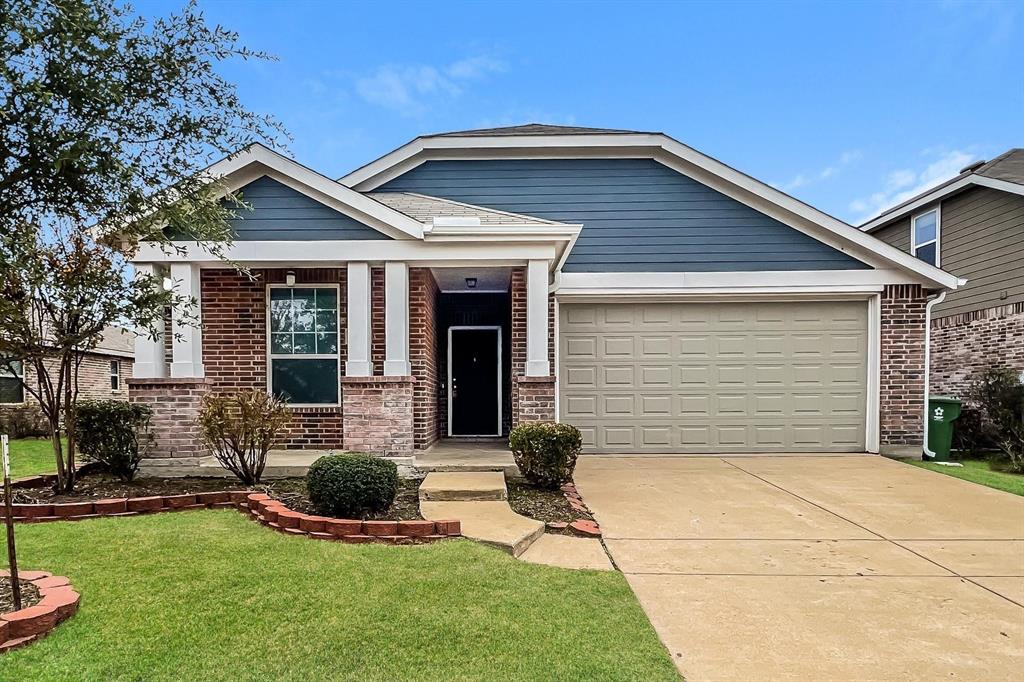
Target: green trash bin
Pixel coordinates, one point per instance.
(942, 412)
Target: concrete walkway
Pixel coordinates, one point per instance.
(816, 568)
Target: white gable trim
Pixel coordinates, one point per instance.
(255, 161)
(672, 153)
(938, 194)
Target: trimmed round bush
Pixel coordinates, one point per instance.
(351, 485)
(546, 452)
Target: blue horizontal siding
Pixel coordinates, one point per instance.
(280, 213)
(637, 214)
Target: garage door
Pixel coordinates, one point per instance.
(715, 377)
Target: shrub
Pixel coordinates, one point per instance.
(114, 433)
(972, 433)
(241, 428)
(351, 485)
(999, 392)
(546, 452)
(24, 422)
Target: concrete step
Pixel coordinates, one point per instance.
(492, 522)
(568, 552)
(463, 486)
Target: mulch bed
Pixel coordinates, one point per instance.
(29, 595)
(291, 491)
(549, 506)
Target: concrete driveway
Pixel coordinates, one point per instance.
(816, 568)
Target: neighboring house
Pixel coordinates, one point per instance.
(103, 374)
(973, 227)
(620, 281)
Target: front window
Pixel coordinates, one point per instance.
(304, 344)
(925, 236)
(115, 375)
(12, 391)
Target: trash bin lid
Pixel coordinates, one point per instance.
(944, 400)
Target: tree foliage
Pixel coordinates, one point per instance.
(106, 123)
(999, 392)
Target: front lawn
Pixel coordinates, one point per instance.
(31, 456)
(979, 471)
(211, 595)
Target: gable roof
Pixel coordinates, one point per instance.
(667, 151)
(425, 208)
(1005, 172)
(534, 129)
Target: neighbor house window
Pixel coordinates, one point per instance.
(303, 343)
(924, 236)
(115, 375)
(12, 391)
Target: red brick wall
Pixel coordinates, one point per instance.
(423, 347)
(175, 404)
(379, 415)
(965, 344)
(902, 365)
(377, 329)
(235, 343)
(518, 288)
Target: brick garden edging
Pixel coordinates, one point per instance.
(260, 506)
(59, 602)
(582, 526)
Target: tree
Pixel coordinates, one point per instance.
(107, 122)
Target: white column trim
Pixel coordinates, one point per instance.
(187, 344)
(359, 334)
(872, 436)
(537, 364)
(149, 353)
(396, 319)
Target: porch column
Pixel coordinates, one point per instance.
(187, 346)
(537, 364)
(396, 320)
(149, 353)
(359, 334)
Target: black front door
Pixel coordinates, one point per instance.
(475, 407)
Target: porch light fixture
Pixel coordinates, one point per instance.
(289, 278)
(471, 282)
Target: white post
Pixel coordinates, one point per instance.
(396, 319)
(537, 364)
(359, 334)
(149, 353)
(187, 345)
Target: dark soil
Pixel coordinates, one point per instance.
(291, 491)
(29, 595)
(549, 506)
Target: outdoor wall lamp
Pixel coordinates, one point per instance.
(471, 282)
(289, 278)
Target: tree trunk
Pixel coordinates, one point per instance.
(58, 452)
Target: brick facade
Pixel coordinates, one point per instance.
(423, 346)
(377, 331)
(965, 344)
(528, 400)
(379, 414)
(902, 366)
(536, 399)
(175, 404)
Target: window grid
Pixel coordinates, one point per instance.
(302, 325)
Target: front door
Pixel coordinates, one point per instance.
(474, 381)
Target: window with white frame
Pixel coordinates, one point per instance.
(924, 236)
(12, 391)
(303, 331)
(115, 375)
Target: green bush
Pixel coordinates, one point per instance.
(546, 452)
(351, 485)
(999, 393)
(972, 434)
(24, 422)
(114, 433)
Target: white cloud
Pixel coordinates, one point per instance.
(826, 173)
(902, 184)
(409, 89)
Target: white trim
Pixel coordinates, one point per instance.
(149, 356)
(396, 320)
(115, 374)
(932, 302)
(940, 193)
(914, 246)
(537, 364)
(308, 356)
(187, 341)
(358, 339)
(872, 435)
(671, 153)
(501, 383)
(558, 344)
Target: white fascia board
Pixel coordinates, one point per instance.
(237, 171)
(298, 253)
(674, 154)
(938, 194)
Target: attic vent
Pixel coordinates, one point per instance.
(456, 221)
(973, 167)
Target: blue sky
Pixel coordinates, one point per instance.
(848, 106)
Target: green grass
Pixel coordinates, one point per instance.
(979, 471)
(211, 595)
(30, 456)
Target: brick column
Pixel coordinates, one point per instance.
(530, 395)
(423, 349)
(901, 385)
(175, 403)
(378, 413)
(536, 399)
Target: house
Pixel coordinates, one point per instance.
(103, 375)
(620, 281)
(973, 227)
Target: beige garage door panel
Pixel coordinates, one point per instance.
(729, 377)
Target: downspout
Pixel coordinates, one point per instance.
(932, 302)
